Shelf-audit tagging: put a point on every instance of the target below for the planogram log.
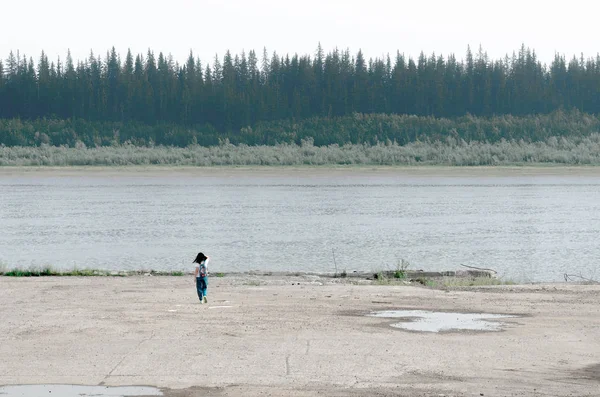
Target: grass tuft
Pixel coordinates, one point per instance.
(382, 279)
(31, 272)
(401, 268)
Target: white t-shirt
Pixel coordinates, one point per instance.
(204, 263)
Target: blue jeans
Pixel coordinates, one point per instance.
(201, 286)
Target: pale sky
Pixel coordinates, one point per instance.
(377, 27)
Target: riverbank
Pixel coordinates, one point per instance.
(446, 279)
(450, 152)
(295, 335)
(527, 169)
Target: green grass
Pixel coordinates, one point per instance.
(48, 271)
(398, 274)
(382, 279)
(84, 273)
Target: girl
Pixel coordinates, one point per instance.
(201, 274)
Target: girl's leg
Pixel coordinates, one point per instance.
(199, 288)
(204, 286)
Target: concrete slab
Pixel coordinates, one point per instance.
(297, 340)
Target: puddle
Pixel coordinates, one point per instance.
(77, 391)
(428, 321)
(219, 307)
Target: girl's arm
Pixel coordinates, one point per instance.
(206, 264)
(196, 271)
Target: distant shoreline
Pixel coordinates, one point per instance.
(434, 279)
(50, 272)
(306, 170)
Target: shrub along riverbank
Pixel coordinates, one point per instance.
(573, 150)
(433, 281)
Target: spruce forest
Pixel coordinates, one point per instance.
(268, 99)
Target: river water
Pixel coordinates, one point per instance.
(529, 226)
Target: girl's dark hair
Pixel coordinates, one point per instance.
(199, 258)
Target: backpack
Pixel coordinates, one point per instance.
(202, 270)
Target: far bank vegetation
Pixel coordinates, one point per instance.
(450, 152)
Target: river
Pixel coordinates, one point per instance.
(530, 225)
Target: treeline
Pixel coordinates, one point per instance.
(450, 152)
(244, 90)
(356, 128)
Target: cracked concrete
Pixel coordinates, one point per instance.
(136, 348)
(298, 340)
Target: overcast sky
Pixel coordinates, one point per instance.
(377, 27)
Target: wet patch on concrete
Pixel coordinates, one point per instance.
(78, 391)
(430, 321)
(302, 391)
(592, 372)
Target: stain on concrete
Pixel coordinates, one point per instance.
(430, 321)
(196, 391)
